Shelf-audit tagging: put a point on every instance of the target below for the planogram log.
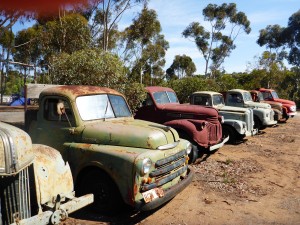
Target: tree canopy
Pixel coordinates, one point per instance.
(182, 66)
(217, 44)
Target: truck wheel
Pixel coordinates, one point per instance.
(193, 156)
(257, 123)
(229, 131)
(107, 197)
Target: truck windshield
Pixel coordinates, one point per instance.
(218, 100)
(274, 94)
(247, 96)
(164, 97)
(93, 107)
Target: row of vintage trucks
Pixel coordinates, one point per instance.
(109, 156)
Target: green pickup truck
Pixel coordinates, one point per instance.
(112, 155)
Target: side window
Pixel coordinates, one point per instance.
(148, 101)
(201, 100)
(235, 99)
(266, 95)
(57, 110)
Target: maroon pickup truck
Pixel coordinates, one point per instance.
(288, 106)
(199, 124)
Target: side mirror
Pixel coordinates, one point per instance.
(60, 108)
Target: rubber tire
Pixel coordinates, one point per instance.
(257, 123)
(229, 131)
(107, 197)
(193, 156)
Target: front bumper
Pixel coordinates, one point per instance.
(54, 217)
(219, 145)
(269, 122)
(168, 194)
(291, 114)
(251, 133)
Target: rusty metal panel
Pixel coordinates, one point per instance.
(16, 149)
(34, 90)
(53, 175)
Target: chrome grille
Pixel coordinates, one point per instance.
(166, 170)
(213, 130)
(250, 120)
(16, 196)
(272, 115)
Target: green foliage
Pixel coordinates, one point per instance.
(186, 86)
(145, 47)
(135, 94)
(104, 17)
(214, 45)
(182, 66)
(14, 83)
(98, 68)
(227, 82)
(27, 49)
(292, 38)
(88, 67)
(271, 36)
(67, 34)
(6, 38)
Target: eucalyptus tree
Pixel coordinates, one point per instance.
(104, 16)
(292, 38)
(281, 42)
(68, 33)
(8, 17)
(182, 66)
(145, 47)
(217, 43)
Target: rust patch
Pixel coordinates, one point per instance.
(73, 91)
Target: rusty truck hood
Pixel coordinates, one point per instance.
(199, 112)
(285, 101)
(129, 133)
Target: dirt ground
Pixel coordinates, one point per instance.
(254, 182)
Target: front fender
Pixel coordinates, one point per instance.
(195, 129)
(116, 161)
(238, 125)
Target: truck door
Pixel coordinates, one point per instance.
(53, 128)
(147, 111)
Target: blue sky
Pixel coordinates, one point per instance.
(176, 15)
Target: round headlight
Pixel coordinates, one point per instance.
(189, 148)
(147, 163)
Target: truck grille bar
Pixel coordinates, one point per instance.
(213, 132)
(166, 170)
(15, 196)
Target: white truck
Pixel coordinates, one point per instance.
(238, 122)
(263, 113)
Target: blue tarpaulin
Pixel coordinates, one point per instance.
(19, 101)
